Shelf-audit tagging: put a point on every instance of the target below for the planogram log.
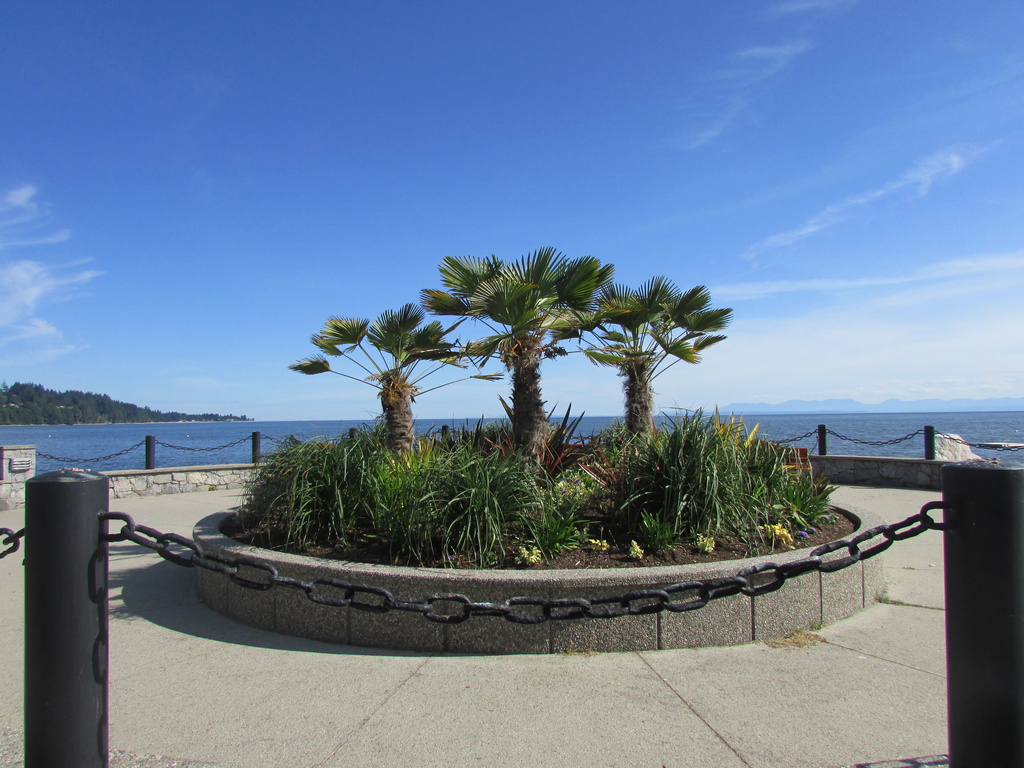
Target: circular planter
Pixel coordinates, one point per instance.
(807, 601)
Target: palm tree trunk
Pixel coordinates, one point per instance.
(639, 399)
(396, 399)
(529, 419)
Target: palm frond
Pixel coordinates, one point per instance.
(580, 280)
(442, 303)
(312, 366)
(603, 356)
(462, 275)
(344, 331)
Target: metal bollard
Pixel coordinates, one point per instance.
(822, 440)
(984, 572)
(150, 452)
(256, 448)
(66, 620)
(929, 443)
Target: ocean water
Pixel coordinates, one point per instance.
(195, 444)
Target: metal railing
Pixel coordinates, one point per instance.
(822, 433)
(150, 443)
(929, 434)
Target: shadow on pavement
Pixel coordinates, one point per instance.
(165, 594)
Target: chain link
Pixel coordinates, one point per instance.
(66, 460)
(200, 450)
(82, 461)
(11, 540)
(789, 440)
(983, 446)
(451, 608)
(905, 438)
(894, 441)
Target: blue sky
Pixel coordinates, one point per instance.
(188, 190)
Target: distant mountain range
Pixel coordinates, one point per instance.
(889, 406)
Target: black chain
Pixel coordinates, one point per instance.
(101, 458)
(895, 441)
(788, 440)
(65, 460)
(199, 450)
(255, 574)
(11, 540)
(877, 442)
(983, 446)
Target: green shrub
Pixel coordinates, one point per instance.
(438, 501)
(316, 491)
(465, 499)
(708, 476)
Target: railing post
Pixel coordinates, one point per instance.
(822, 440)
(929, 443)
(984, 573)
(66, 620)
(150, 452)
(255, 447)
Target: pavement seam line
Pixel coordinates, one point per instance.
(695, 713)
(882, 658)
(370, 715)
(901, 604)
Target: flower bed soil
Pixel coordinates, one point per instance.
(837, 526)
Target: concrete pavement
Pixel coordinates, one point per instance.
(189, 683)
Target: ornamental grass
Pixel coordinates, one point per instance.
(468, 498)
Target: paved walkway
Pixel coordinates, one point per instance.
(189, 683)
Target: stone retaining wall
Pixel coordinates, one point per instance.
(17, 464)
(154, 482)
(879, 471)
(803, 602)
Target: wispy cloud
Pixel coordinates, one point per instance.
(25, 284)
(920, 178)
(793, 7)
(950, 332)
(993, 265)
(23, 221)
(730, 87)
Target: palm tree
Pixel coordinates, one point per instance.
(524, 304)
(638, 330)
(401, 343)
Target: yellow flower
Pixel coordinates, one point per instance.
(635, 552)
(705, 543)
(779, 535)
(598, 545)
(528, 556)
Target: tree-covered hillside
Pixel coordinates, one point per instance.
(34, 404)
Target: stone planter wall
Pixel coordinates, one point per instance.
(802, 603)
(154, 482)
(17, 464)
(879, 472)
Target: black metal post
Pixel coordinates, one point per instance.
(984, 570)
(150, 452)
(822, 440)
(255, 447)
(929, 443)
(66, 620)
